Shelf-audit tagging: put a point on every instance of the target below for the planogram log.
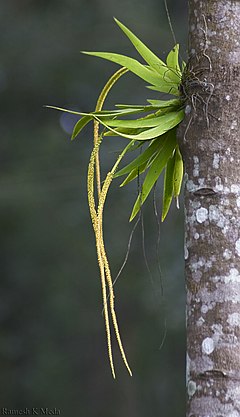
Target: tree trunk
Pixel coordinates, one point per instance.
(211, 150)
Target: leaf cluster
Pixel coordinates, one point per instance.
(154, 123)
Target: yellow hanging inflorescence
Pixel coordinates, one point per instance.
(97, 220)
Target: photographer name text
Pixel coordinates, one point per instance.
(34, 411)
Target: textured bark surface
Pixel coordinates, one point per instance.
(211, 149)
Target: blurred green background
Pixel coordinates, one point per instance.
(52, 341)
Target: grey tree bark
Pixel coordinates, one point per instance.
(211, 150)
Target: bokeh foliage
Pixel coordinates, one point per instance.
(53, 350)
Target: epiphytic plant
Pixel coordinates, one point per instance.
(155, 127)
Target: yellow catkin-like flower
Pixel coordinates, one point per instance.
(96, 216)
(93, 214)
(103, 195)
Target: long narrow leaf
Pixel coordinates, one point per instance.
(67, 111)
(80, 125)
(106, 113)
(124, 112)
(137, 123)
(170, 89)
(183, 66)
(153, 60)
(177, 174)
(135, 106)
(165, 103)
(168, 187)
(172, 63)
(134, 173)
(169, 121)
(123, 131)
(155, 170)
(134, 66)
(141, 159)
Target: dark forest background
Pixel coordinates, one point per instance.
(52, 337)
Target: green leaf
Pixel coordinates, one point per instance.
(137, 123)
(173, 64)
(153, 60)
(106, 113)
(122, 132)
(123, 112)
(67, 111)
(183, 66)
(136, 68)
(168, 121)
(102, 113)
(165, 152)
(171, 89)
(157, 106)
(168, 187)
(165, 103)
(178, 174)
(134, 173)
(141, 159)
(80, 125)
(136, 106)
